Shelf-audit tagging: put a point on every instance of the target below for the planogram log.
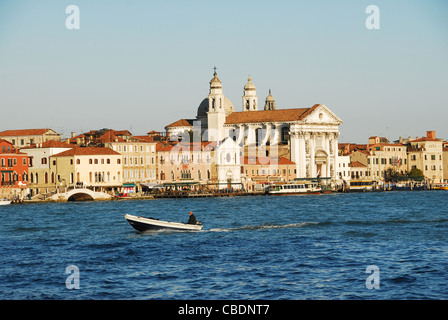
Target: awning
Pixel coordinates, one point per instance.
(129, 185)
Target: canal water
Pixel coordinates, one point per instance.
(389, 245)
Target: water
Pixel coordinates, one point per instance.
(287, 247)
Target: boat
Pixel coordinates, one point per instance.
(143, 224)
(303, 187)
(362, 185)
(440, 186)
(5, 202)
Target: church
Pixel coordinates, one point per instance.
(306, 136)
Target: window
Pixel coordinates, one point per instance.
(78, 161)
(44, 161)
(96, 161)
(90, 162)
(108, 161)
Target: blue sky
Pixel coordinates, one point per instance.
(140, 65)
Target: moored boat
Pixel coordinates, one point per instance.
(440, 186)
(302, 187)
(143, 224)
(5, 202)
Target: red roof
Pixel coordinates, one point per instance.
(267, 160)
(86, 151)
(180, 123)
(281, 115)
(356, 164)
(24, 132)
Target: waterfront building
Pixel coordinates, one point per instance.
(13, 171)
(445, 161)
(139, 161)
(27, 137)
(259, 172)
(343, 167)
(306, 136)
(379, 157)
(95, 167)
(139, 155)
(186, 164)
(358, 171)
(42, 179)
(426, 154)
(227, 155)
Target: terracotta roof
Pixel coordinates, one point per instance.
(181, 146)
(279, 115)
(180, 123)
(266, 160)
(3, 140)
(24, 132)
(425, 139)
(356, 164)
(86, 151)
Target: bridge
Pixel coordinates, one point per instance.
(81, 194)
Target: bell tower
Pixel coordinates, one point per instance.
(250, 99)
(216, 115)
(270, 102)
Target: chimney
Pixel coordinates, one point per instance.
(431, 134)
(73, 134)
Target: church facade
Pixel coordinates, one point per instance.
(306, 136)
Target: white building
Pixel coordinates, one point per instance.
(307, 136)
(228, 164)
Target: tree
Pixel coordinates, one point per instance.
(416, 173)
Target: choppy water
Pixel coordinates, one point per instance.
(291, 247)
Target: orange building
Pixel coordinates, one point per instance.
(13, 171)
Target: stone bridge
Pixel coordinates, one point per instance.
(80, 195)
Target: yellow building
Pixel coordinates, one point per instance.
(426, 155)
(97, 168)
(26, 137)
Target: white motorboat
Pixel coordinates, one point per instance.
(144, 224)
(5, 202)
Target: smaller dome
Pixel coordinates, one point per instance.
(270, 97)
(249, 85)
(215, 82)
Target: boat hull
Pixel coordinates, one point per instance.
(5, 202)
(145, 224)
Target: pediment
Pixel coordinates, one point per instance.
(322, 115)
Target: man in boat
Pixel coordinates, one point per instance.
(192, 219)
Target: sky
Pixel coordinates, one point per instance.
(141, 65)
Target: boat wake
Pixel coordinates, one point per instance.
(263, 226)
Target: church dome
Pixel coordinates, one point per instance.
(203, 107)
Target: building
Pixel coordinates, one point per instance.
(182, 164)
(306, 136)
(445, 161)
(426, 154)
(97, 168)
(259, 172)
(228, 165)
(343, 167)
(27, 137)
(41, 177)
(13, 171)
(358, 171)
